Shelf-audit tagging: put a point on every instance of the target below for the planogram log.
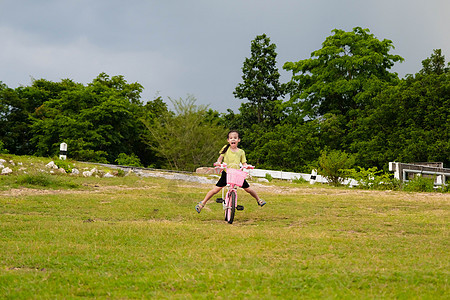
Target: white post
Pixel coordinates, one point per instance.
(63, 151)
(313, 177)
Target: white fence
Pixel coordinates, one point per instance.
(312, 178)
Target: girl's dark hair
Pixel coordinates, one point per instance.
(228, 145)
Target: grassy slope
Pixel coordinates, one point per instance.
(140, 237)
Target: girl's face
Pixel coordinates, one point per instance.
(233, 139)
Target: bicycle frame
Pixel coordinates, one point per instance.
(230, 201)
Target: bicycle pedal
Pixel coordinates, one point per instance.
(219, 200)
(240, 207)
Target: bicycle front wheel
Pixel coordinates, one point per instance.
(231, 207)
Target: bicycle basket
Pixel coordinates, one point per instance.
(236, 177)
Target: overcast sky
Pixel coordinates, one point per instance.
(197, 47)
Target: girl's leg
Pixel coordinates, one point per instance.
(211, 193)
(208, 196)
(254, 195)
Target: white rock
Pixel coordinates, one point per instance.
(2, 160)
(1, 166)
(87, 174)
(51, 165)
(108, 175)
(75, 171)
(6, 171)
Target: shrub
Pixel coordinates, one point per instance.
(2, 149)
(333, 164)
(419, 184)
(64, 164)
(268, 177)
(372, 178)
(120, 173)
(128, 160)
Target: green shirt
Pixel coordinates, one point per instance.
(233, 159)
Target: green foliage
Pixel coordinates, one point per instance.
(268, 177)
(92, 156)
(65, 164)
(44, 180)
(128, 160)
(406, 122)
(419, 184)
(332, 165)
(187, 138)
(39, 179)
(283, 147)
(343, 97)
(2, 149)
(374, 179)
(299, 180)
(331, 79)
(261, 86)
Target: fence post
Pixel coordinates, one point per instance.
(63, 151)
(313, 177)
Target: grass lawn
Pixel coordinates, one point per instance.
(134, 237)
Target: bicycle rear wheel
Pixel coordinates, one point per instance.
(231, 207)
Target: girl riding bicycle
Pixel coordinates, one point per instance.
(233, 157)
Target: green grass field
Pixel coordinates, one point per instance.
(134, 237)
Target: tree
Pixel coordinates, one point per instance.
(261, 84)
(330, 81)
(408, 121)
(435, 64)
(16, 106)
(285, 147)
(334, 165)
(187, 138)
(98, 121)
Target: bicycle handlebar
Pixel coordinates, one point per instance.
(224, 166)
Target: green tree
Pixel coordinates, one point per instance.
(261, 85)
(330, 81)
(285, 147)
(407, 122)
(16, 106)
(334, 164)
(98, 121)
(187, 138)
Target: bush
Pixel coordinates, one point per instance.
(333, 164)
(2, 149)
(128, 160)
(64, 164)
(372, 178)
(419, 184)
(268, 177)
(91, 156)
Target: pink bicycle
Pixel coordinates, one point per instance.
(235, 179)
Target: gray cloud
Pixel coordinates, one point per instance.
(197, 47)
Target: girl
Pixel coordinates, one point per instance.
(232, 156)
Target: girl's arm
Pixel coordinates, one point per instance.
(219, 159)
